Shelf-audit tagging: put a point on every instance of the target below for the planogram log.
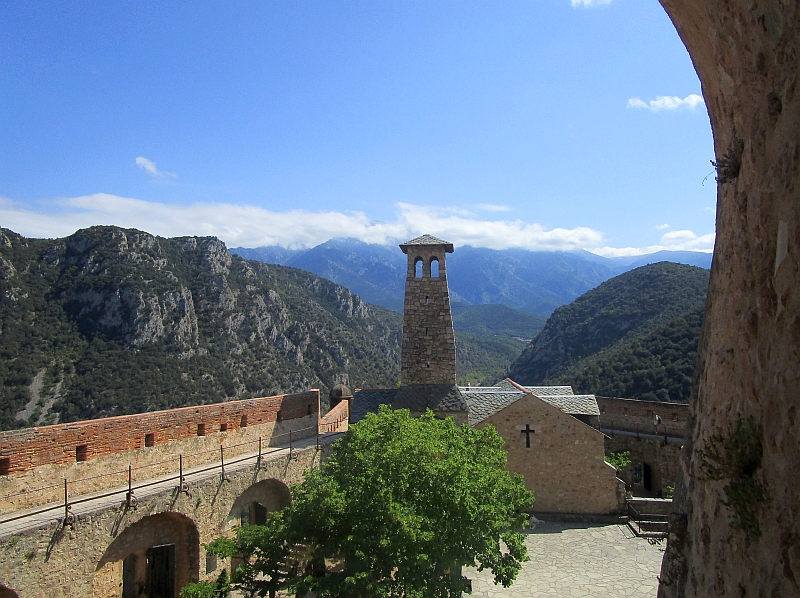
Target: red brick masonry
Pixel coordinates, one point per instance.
(26, 449)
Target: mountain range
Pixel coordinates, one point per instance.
(536, 282)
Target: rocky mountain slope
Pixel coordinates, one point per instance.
(533, 281)
(633, 336)
(111, 321)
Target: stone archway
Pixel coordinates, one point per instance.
(154, 557)
(747, 55)
(257, 501)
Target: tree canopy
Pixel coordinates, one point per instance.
(400, 506)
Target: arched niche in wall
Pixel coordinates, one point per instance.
(258, 501)
(155, 556)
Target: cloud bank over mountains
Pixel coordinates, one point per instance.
(252, 226)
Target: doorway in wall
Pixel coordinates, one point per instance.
(161, 571)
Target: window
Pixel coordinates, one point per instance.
(309, 410)
(149, 439)
(243, 422)
(223, 427)
(418, 268)
(201, 429)
(434, 268)
(211, 562)
(81, 452)
(279, 416)
(426, 301)
(5, 465)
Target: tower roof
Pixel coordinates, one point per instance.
(427, 240)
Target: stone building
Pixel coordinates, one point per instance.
(629, 425)
(552, 436)
(553, 439)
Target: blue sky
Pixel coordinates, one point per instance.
(545, 124)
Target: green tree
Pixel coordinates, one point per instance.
(400, 507)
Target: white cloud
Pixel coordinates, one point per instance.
(690, 102)
(251, 226)
(589, 3)
(150, 168)
(490, 207)
(662, 226)
(678, 240)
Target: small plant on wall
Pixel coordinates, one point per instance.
(736, 458)
(619, 460)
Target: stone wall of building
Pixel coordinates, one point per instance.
(41, 458)
(637, 416)
(85, 560)
(429, 347)
(662, 458)
(565, 465)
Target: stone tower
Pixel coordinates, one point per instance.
(429, 348)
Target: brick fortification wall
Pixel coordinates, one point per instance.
(429, 346)
(40, 458)
(336, 420)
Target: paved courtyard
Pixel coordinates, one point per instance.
(580, 559)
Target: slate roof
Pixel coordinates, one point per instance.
(485, 404)
(481, 402)
(573, 404)
(539, 391)
(427, 240)
(368, 400)
(485, 401)
(436, 397)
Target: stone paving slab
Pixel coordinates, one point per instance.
(579, 560)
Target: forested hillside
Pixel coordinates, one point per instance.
(633, 336)
(656, 367)
(111, 321)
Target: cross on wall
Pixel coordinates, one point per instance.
(527, 431)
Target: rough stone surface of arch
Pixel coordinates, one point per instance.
(271, 494)
(154, 530)
(746, 54)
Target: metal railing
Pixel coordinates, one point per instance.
(129, 490)
(647, 524)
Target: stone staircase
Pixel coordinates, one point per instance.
(649, 517)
